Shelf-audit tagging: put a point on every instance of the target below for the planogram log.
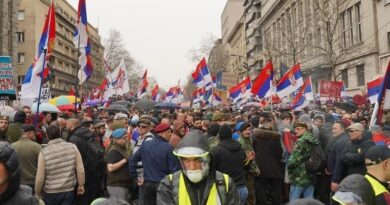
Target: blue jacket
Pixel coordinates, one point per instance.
(157, 160)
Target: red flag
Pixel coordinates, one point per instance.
(71, 92)
(103, 86)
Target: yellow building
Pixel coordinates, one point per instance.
(64, 60)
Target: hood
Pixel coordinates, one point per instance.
(20, 116)
(266, 134)
(231, 145)
(10, 159)
(308, 137)
(358, 185)
(305, 118)
(82, 131)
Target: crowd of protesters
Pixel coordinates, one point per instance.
(100, 157)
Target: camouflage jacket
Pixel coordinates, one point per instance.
(247, 146)
(298, 174)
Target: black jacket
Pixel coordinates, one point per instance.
(353, 154)
(269, 151)
(334, 151)
(229, 158)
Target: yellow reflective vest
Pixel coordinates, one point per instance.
(213, 198)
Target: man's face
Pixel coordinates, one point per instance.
(364, 123)
(48, 118)
(166, 134)
(3, 175)
(198, 124)
(286, 121)
(27, 111)
(180, 116)
(246, 132)
(318, 122)
(3, 125)
(300, 131)
(102, 130)
(192, 163)
(143, 129)
(354, 134)
(182, 131)
(189, 119)
(337, 130)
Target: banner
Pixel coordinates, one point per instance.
(7, 88)
(331, 89)
(45, 97)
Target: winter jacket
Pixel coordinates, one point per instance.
(80, 136)
(120, 177)
(247, 145)
(157, 159)
(229, 158)
(325, 134)
(353, 154)
(13, 131)
(335, 167)
(269, 151)
(15, 193)
(167, 193)
(28, 152)
(298, 174)
(357, 184)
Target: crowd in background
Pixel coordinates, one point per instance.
(67, 158)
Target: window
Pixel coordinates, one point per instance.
(344, 77)
(350, 25)
(66, 49)
(20, 15)
(20, 37)
(21, 58)
(358, 23)
(360, 75)
(343, 29)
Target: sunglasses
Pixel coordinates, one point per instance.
(352, 131)
(143, 126)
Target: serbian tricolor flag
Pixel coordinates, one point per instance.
(197, 95)
(81, 42)
(39, 70)
(262, 85)
(202, 76)
(241, 90)
(300, 101)
(373, 89)
(71, 92)
(216, 99)
(173, 94)
(143, 86)
(383, 100)
(155, 94)
(291, 81)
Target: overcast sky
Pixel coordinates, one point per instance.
(158, 33)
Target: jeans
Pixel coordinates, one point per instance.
(150, 192)
(297, 191)
(118, 192)
(243, 193)
(62, 198)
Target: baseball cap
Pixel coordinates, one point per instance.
(356, 126)
(377, 154)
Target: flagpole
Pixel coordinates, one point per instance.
(77, 75)
(40, 87)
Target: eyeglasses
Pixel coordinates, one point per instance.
(352, 131)
(143, 126)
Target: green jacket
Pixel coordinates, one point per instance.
(213, 142)
(14, 131)
(298, 174)
(247, 146)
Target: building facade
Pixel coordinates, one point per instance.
(332, 40)
(64, 60)
(8, 28)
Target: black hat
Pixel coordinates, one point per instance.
(377, 154)
(225, 132)
(28, 128)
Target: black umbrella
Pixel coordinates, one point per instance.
(118, 108)
(125, 103)
(347, 106)
(166, 106)
(144, 104)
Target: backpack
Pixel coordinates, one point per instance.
(95, 158)
(317, 159)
